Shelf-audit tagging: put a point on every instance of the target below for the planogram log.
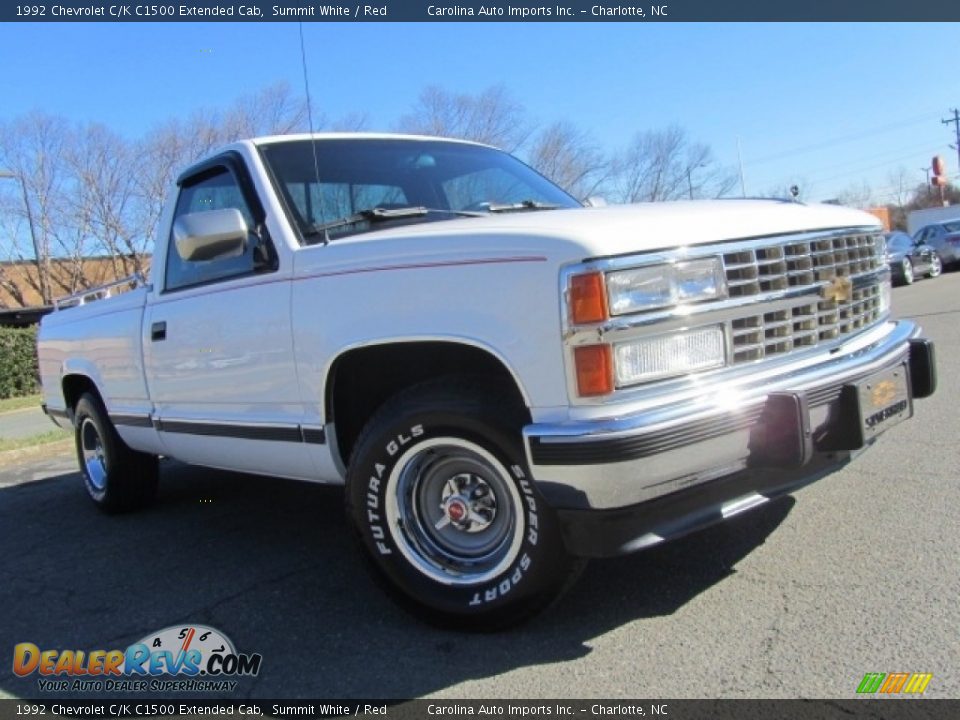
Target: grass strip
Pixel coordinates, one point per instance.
(19, 403)
(50, 436)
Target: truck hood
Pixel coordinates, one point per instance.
(624, 229)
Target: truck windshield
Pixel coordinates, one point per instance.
(360, 184)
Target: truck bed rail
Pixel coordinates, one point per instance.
(99, 292)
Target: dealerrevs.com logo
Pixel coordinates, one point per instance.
(178, 658)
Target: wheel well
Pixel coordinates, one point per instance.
(362, 380)
(74, 386)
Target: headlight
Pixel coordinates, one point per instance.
(677, 353)
(659, 286)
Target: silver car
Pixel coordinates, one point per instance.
(943, 237)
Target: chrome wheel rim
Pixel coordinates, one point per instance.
(936, 267)
(452, 510)
(94, 460)
(907, 271)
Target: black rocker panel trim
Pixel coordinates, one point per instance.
(273, 433)
(131, 420)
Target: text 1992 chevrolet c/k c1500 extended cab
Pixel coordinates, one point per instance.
(506, 382)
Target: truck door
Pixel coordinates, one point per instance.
(218, 347)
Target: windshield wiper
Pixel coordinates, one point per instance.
(521, 206)
(379, 214)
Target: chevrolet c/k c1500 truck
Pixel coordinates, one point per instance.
(506, 382)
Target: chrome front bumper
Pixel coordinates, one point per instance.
(622, 461)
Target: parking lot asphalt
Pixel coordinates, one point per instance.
(857, 573)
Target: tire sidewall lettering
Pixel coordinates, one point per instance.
(379, 537)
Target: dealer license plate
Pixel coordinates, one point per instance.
(884, 401)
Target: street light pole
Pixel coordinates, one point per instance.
(41, 269)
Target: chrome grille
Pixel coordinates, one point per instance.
(805, 321)
(770, 267)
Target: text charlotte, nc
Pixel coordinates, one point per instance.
(545, 11)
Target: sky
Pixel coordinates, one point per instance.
(826, 106)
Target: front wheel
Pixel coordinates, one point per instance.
(116, 478)
(443, 505)
(906, 271)
(936, 266)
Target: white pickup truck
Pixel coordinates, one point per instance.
(506, 382)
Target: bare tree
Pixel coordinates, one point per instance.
(665, 165)
(900, 186)
(858, 195)
(274, 110)
(566, 155)
(31, 149)
(85, 191)
(492, 117)
(351, 122)
(103, 195)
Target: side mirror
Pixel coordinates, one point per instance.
(212, 235)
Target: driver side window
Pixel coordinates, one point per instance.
(215, 189)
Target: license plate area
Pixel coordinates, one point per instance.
(867, 408)
(884, 401)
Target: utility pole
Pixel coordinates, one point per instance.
(927, 171)
(955, 120)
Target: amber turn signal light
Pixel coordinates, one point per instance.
(594, 365)
(588, 302)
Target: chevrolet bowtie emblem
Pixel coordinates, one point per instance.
(840, 290)
(883, 394)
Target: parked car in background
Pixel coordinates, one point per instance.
(943, 237)
(909, 259)
(917, 219)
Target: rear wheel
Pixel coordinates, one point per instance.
(444, 507)
(116, 478)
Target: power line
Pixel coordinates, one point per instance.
(874, 157)
(916, 120)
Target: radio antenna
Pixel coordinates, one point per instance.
(313, 140)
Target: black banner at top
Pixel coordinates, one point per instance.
(491, 11)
